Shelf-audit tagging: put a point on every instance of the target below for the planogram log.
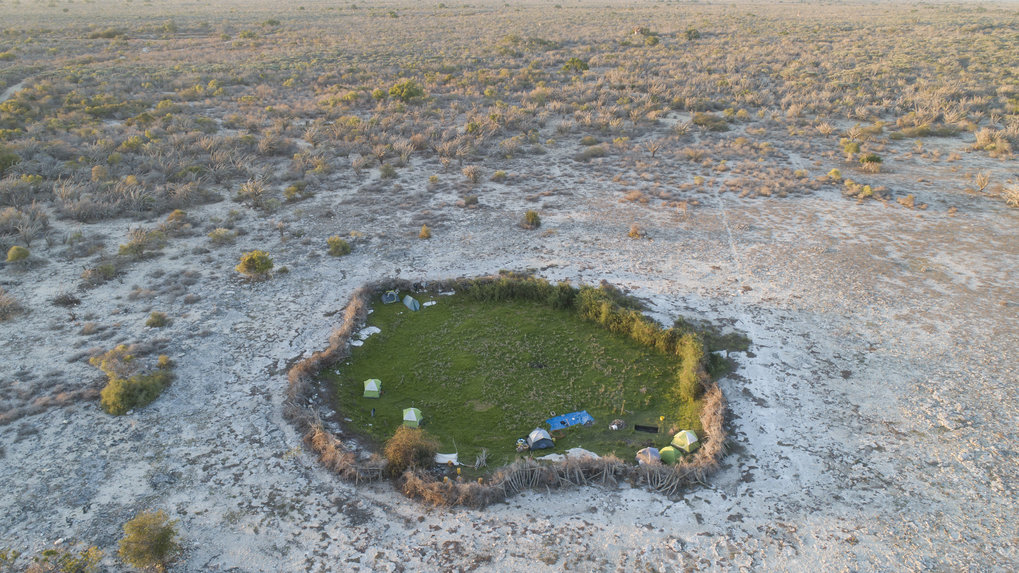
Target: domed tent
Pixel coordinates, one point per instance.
(686, 441)
(372, 388)
(412, 417)
(390, 296)
(649, 456)
(539, 439)
(668, 455)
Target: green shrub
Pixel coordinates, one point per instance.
(337, 246)
(406, 90)
(157, 320)
(297, 191)
(871, 158)
(255, 264)
(835, 175)
(531, 220)
(498, 176)
(7, 160)
(121, 395)
(221, 236)
(141, 242)
(387, 171)
(591, 152)
(17, 253)
(409, 448)
(470, 200)
(150, 541)
(710, 121)
(575, 65)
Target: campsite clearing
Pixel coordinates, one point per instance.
(531, 360)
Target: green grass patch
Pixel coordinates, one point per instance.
(486, 369)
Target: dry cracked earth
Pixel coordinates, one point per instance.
(873, 423)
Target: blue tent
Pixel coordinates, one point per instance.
(411, 303)
(572, 419)
(390, 296)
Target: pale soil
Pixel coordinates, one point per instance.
(873, 424)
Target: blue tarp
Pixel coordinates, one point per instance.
(571, 419)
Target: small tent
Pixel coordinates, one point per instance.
(649, 456)
(668, 455)
(685, 440)
(372, 388)
(539, 439)
(412, 417)
(390, 296)
(411, 303)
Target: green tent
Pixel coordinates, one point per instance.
(668, 455)
(685, 440)
(412, 417)
(372, 388)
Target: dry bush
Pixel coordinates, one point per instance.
(409, 448)
(9, 306)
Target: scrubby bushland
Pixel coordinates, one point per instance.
(255, 264)
(150, 541)
(409, 448)
(128, 387)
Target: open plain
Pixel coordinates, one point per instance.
(873, 423)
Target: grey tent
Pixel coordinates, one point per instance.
(539, 439)
(649, 456)
(411, 303)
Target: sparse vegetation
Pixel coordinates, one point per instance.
(425, 232)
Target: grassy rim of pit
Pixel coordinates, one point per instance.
(309, 407)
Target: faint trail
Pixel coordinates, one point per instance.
(9, 92)
(732, 243)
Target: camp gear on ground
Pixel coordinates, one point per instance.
(571, 419)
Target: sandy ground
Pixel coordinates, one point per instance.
(873, 423)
